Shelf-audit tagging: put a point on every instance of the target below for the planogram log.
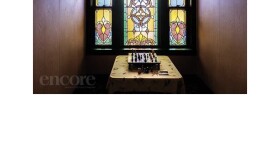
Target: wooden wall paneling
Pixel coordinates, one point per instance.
(59, 30)
(66, 39)
(223, 60)
(46, 43)
(208, 35)
(72, 29)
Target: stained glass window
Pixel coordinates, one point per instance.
(176, 3)
(103, 27)
(140, 22)
(103, 3)
(178, 33)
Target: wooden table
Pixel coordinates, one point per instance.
(122, 80)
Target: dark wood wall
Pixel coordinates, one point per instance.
(59, 41)
(222, 39)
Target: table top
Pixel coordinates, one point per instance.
(120, 70)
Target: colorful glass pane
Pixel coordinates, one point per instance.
(176, 3)
(140, 22)
(178, 33)
(103, 27)
(103, 3)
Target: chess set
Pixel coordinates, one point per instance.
(145, 61)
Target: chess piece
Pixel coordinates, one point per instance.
(146, 70)
(153, 53)
(139, 71)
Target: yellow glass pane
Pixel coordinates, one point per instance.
(178, 15)
(107, 15)
(130, 35)
(130, 25)
(151, 24)
(100, 13)
(182, 15)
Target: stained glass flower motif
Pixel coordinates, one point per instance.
(103, 28)
(178, 33)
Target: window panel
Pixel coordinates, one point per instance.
(140, 22)
(103, 27)
(102, 3)
(177, 33)
(176, 3)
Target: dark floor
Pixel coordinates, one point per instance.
(194, 85)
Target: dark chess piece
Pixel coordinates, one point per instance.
(139, 71)
(146, 70)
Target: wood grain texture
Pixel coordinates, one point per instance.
(222, 45)
(59, 32)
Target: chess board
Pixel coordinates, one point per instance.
(143, 60)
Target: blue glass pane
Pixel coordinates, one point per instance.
(181, 2)
(103, 2)
(175, 3)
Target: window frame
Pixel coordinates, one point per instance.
(118, 46)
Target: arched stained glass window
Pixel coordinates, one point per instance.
(140, 22)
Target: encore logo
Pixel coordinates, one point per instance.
(65, 80)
